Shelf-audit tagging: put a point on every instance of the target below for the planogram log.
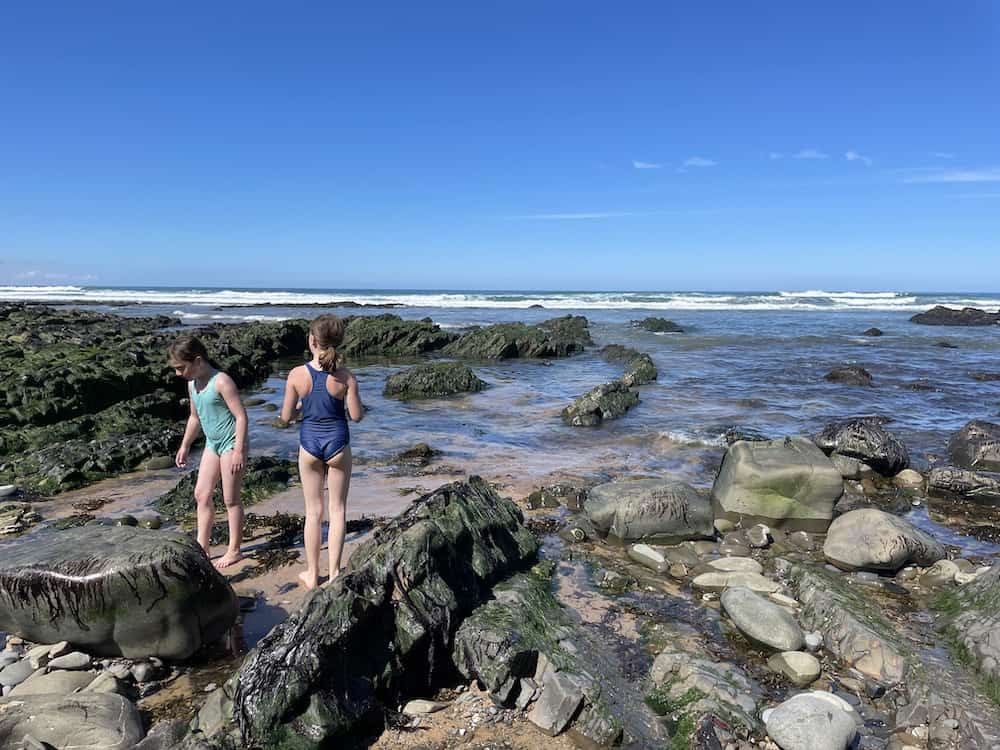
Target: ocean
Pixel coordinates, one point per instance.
(746, 360)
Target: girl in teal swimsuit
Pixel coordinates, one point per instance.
(216, 410)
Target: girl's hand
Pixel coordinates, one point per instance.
(237, 465)
(180, 460)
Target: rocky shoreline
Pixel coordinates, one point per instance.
(792, 606)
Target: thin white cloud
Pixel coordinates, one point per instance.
(942, 155)
(698, 161)
(36, 275)
(855, 156)
(571, 216)
(810, 153)
(985, 174)
(645, 165)
(775, 155)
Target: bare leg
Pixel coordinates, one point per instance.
(208, 477)
(231, 485)
(338, 482)
(311, 471)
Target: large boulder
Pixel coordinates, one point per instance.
(605, 401)
(788, 484)
(651, 510)
(976, 446)
(381, 629)
(432, 381)
(947, 316)
(871, 539)
(868, 441)
(390, 335)
(82, 721)
(558, 337)
(115, 591)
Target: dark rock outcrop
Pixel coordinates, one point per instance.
(262, 477)
(115, 590)
(432, 381)
(977, 486)
(382, 628)
(976, 446)
(639, 367)
(390, 335)
(558, 337)
(865, 440)
(850, 375)
(873, 332)
(658, 325)
(605, 401)
(946, 316)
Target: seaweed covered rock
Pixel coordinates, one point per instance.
(871, 539)
(639, 367)
(977, 624)
(788, 484)
(114, 590)
(651, 510)
(432, 381)
(605, 401)
(82, 721)
(526, 651)
(947, 316)
(384, 626)
(558, 337)
(262, 477)
(976, 446)
(390, 335)
(866, 440)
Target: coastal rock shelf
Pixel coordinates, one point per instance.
(115, 591)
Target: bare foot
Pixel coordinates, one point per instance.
(230, 558)
(308, 581)
(333, 577)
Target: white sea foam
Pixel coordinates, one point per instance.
(782, 300)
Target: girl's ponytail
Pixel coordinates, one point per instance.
(328, 330)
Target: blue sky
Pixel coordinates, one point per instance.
(531, 145)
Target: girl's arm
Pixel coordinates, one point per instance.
(191, 430)
(227, 389)
(290, 407)
(353, 399)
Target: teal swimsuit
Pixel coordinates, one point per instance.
(217, 421)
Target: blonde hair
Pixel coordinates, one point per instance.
(328, 330)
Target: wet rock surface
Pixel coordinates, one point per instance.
(390, 335)
(976, 446)
(850, 375)
(868, 441)
(115, 591)
(84, 721)
(432, 381)
(972, 485)
(788, 484)
(871, 539)
(658, 325)
(651, 510)
(603, 402)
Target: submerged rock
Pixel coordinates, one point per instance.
(976, 446)
(381, 628)
(606, 401)
(787, 484)
(871, 539)
(558, 337)
(83, 721)
(850, 375)
(658, 325)
(432, 381)
(946, 316)
(115, 591)
(866, 440)
(651, 510)
(873, 332)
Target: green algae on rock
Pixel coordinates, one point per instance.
(432, 381)
(558, 337)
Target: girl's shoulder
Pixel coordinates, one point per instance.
(223, 380)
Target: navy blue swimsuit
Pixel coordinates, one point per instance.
(324, 431)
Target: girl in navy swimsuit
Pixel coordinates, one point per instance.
(323, 393)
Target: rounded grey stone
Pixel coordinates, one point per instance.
(650, 510)
(812, 721)
(761, 621)
(871, 539)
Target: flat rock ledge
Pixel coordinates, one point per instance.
(382, 630)
(84, 721)
(115, 591)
